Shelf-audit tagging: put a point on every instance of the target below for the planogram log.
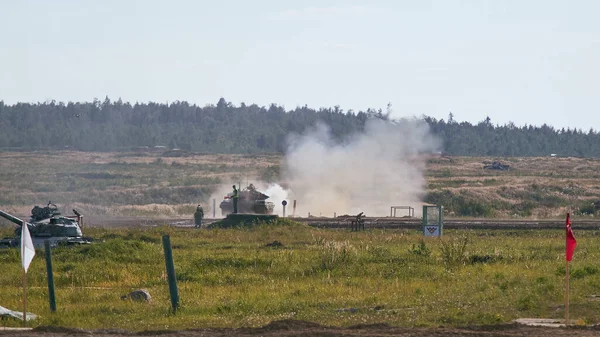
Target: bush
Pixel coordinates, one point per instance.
(463, 204)
(587, 209)
(473, 208)
(420, 249)
(454, 252)
(335, 254)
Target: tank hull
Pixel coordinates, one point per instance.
(245, 206)
(38, 242)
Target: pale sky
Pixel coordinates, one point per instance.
(527, 61)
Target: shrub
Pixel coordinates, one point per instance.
(463, 204)
(587, 209)
(454, 252)
(335, 253)
(420, 249)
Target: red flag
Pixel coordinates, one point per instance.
(571, 243)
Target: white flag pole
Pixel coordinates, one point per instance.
(27, 254)
(24, 297)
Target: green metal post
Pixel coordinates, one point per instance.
(441, 210)
(424, 219)
(171, 272)
(51, 295)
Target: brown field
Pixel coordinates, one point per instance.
(114, 184)
(169, 184)
(551, 185)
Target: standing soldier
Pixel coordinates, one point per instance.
(235, 200)
(198, 216)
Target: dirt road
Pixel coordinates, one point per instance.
(370, 223)
(301, 328)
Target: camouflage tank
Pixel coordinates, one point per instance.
(250, 200)
(46, 223)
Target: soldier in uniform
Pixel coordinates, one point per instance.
(235, 200)
(198, 216)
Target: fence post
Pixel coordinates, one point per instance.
(166, 240)
(51, 296)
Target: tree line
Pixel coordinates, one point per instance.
(251, 129)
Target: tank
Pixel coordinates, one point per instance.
(250, 200)
(47, 223)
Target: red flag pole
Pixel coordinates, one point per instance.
(570, 244)
(567, 223)
(567, 295)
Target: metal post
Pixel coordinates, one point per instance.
(214, 208)
(51, 295)
(424, 218)
(294, 209)
(284, 211)
(171, 272)
(441, 218)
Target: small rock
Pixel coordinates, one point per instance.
(139, 295)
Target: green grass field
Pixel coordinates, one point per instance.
(232, 278)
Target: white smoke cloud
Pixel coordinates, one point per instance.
(275, 192)
(276, 195)
(381, 167)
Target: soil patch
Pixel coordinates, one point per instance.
(303, 328)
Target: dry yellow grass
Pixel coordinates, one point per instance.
(575, 181)
(153, 184)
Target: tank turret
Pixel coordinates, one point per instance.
(250, 200)
(47, 223)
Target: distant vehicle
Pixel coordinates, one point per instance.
(46, 223)
(250, 200)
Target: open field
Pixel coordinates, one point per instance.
(170, 183)
(541, 187)
(378, 282)
(231, 278)
(123, 184)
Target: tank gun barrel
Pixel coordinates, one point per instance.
(11, 218)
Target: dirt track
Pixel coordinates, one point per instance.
(301, 328)
(372, 223)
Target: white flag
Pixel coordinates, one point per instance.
(27, 249)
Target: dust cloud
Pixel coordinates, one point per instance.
(380, 167)
(276, 195)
